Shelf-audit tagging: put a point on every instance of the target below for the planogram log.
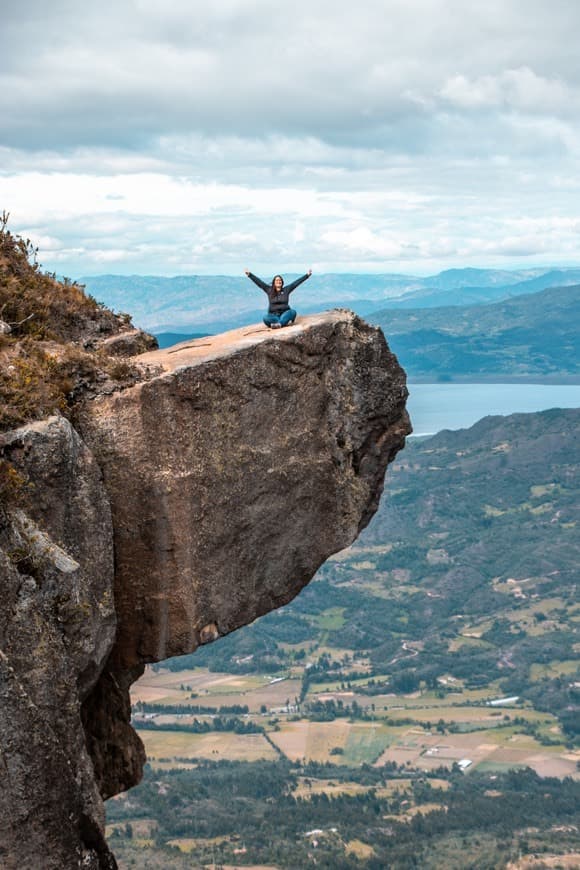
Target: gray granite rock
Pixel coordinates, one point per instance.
(222, 482)
(57, 626)
(233, 475)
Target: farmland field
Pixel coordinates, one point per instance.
(311, 740)
(199, 686)
(494, 742)
(174, 748)
(364, 744)
(485, 750)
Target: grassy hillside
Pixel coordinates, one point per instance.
(49, 342)
(530, 335)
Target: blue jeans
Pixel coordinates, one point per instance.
(283, 319)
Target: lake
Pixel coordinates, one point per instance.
(457, 406)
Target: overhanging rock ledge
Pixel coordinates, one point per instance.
(232, 472)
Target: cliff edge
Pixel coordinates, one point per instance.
(166, 514)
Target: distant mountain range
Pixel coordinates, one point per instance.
(487, 287)
(214, 303)
(532, 335)
(514, 325)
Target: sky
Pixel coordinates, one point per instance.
(205, 138)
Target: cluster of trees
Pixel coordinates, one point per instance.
(328, 711)
(200, 709)
(254, 803)
(203, 726)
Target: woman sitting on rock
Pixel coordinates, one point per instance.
(279, 311)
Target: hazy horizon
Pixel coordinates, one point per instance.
(536, 269)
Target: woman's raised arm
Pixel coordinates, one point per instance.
(258, 281)
(290, 287)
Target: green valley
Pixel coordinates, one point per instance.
(430, 672)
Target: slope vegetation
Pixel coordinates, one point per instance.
(531, 335)
(52, 338)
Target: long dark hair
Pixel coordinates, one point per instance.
(281, 279)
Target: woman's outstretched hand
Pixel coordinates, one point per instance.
(246, 271)
(310, 271)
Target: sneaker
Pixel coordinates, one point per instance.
(276, 326)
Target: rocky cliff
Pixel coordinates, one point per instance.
(168, 514)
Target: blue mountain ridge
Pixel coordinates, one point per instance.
(213, 303)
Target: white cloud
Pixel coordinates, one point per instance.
(519, 89)
(363, 241)
(180, 137)
(126, 72)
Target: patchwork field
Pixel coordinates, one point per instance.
(485, 735)
(210, 689)
(457, 695)
(454, 713)
(356, 742)
(486, 750)
(554, 669)
(197, 681)
(177, 748)
(307, 788)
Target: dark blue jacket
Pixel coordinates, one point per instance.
(278, 302)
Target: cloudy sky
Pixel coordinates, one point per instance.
(384, 135)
